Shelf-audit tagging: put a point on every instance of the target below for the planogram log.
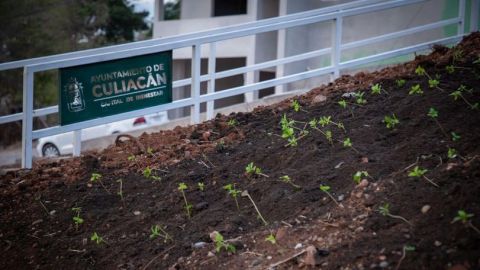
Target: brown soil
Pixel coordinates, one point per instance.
(37, 229)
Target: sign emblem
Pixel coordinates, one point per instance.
(74, 92)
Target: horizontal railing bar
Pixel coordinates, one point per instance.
(218, 37)
(147, 43)
(11, 118)
(265, 84)
(401, 33)
(45, 111)
(242, 70)
(398, 52)
(109, 119)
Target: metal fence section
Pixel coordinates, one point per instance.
(335, 14)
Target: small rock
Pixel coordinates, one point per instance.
(425, 208)
(383, 264)
(339, 165)
(281, 233)
(364, 160)
(319, 99)
(256, 262)
(363, 184)
(382, 257)
(341, 197)
(348, 94)
(210, 254)
(187, 154)
(201, 206)
(52, 212)
(437, 243)
(298, 246)
(359, 229)
(312, 257)
(199, 245)
(269, 257)
(206, 135)
(137, 213)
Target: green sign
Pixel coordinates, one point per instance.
(112, 87)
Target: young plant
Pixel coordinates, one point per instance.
(220, 244)
(96, 177)
(391, 121)
(359, 175)
(359, 98)
(201, 186)
(232, 122)
(246, 194)
(385, 211)
(343, 103)
(348, 144)
(459, 94)
(97, 238)
(149, 150)
(288, 131)
(416, 89)
(433, 113)
(120, 190)
(377, 89)
(157, 231)
(251, 169)
(406, 248)
(326, 189)
(466, 219)
(286, 179)
(450, 69)
(296, 106)
(433, 83)
(400, 82)
(230, 188)
(148, 173)
(418, 172)
(132, 158)
(452, 153)
(455, 136)
(271, 238)
(188, 207)
(77, 219)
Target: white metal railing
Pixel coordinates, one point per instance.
(196, 40)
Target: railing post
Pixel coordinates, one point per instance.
(461, 15)
(27, 120)
(195, 88)
(77, 143)
(211, 83)
(336, 46)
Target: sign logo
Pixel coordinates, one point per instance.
(74, 93)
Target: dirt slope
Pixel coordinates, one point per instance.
(37, 230)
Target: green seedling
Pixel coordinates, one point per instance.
(232, 122)
(77, 219)
(400, 82)
(149, 150)
(433, 83)
(452, 153)
(201, 186)
(326, 189)
(327, 120)
(450, 69)
(406, 248)
(120, 189)
(377, 89)
(288, 131)
(359, 175)
(420, 71)
(97, 238)
(157, 231)
(132, 158)
(418, 172)
(271, 238)
(230, 188)
(455, 136)
(246, 194)
(457, 54)
(96, 177)
(359, 98)
(416, 89)
(433, 113)
(459, 94)
(286, 179)
(385, 211)
(347, 142)
(220, 244)
(296, 106)
(466, 219)
(188, 207)
(251, 169)
(391, 121)
(148, 173)
(343, 103)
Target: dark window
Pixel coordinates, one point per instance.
(229, 7)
